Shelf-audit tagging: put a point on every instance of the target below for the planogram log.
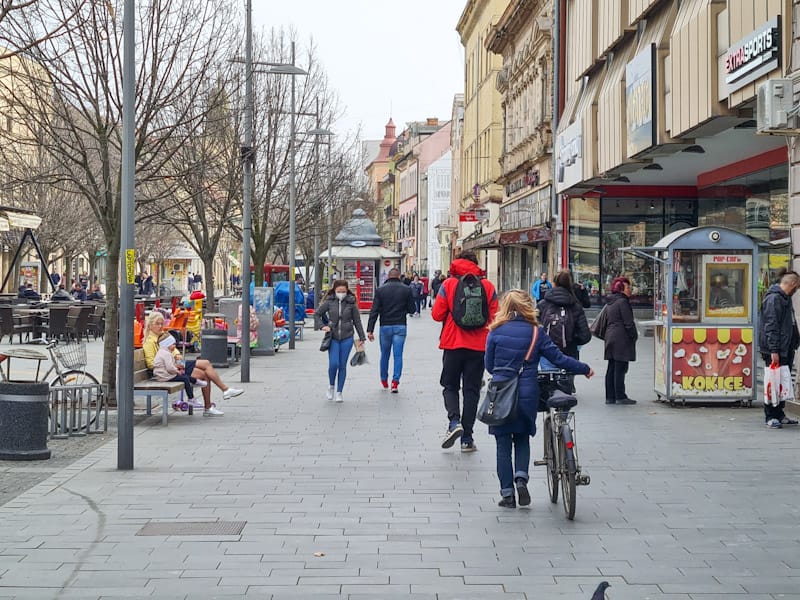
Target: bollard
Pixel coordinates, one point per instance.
(24, 409)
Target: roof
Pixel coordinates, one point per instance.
(359, 230)
(360, 253)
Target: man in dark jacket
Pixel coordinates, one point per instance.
(464, 349)
(778, 338)
(392, 303)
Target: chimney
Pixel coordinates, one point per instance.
(432, 121)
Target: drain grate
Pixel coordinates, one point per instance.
(193, 528)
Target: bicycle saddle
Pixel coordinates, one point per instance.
(561, 401)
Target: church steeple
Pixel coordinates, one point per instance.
(388, 139)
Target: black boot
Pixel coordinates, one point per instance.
(508, 502)
(522, 491)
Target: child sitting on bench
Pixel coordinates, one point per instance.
(167, 368)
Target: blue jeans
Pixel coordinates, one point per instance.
(522, 459)
(392, 339)
(338, 354)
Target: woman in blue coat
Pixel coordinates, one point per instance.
(508, 343)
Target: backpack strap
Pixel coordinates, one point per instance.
(533, 343)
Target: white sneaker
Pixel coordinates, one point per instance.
(213, 412)
(329, 393)
(197, 403)
(339, 397)
(232, 393)
(201, 383)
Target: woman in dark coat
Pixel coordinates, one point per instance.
(508, 343)
(620, 339)
(339, 314)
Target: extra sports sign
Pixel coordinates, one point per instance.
(753, 56)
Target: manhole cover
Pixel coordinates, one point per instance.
(193, 528)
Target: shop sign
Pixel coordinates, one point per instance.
(569, 156)
(712, 362)
(526, 237)
(753, 56)
(467, 217)
(640, 89)
(531, 178)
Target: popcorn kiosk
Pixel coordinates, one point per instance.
(706, 306)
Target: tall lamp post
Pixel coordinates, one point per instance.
(247, 194)
(317, 132)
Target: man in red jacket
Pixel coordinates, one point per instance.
(463, 353)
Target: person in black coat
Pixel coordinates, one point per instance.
(778, 338)
(620, 340)
(581, 293)
(562, 295)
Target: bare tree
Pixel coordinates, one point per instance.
(76, 114)
(155, 243)
(39, 31)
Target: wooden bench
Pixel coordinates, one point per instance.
(143, 385)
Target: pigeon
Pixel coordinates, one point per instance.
(600, 592)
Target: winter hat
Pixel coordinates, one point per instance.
(167, 342)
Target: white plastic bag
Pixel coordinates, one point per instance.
(777, 384)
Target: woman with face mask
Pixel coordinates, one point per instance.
(339, 314)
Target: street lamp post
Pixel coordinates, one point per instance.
(247, 194)
(292, 211)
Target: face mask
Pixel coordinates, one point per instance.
(341, 295)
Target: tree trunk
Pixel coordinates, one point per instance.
(259, 259)
(208, 269)
(111, 339)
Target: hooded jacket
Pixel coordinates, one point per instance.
(777, 331)
(342, 316)
(580, 334)
(454, 337)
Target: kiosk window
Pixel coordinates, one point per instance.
(727, 290)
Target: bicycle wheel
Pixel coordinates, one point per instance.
(71, 378)
(550, 458)
(568, 471)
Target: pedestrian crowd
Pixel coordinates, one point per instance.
(514, 335)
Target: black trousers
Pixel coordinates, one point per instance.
(462, 369)
(615, 379)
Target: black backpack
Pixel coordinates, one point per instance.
(470, 303)
(558, 323)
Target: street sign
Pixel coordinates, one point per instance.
(467, 217)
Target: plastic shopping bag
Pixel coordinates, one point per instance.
(777, 384)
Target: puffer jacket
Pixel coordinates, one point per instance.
(454, 337)
(506, 346)
(342, 315)
(777, 331)
(621, 334)
(580, 333)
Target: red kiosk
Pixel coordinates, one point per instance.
(359, 257)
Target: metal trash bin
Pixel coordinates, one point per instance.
(24, 410)
(214, 347)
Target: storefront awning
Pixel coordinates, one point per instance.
(17, 218)
(360, 253)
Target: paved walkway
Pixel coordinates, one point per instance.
(357, 500)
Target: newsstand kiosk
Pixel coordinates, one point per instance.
(706, 306)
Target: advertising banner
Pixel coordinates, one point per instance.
(712, 362)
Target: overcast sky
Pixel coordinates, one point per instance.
(403, 60)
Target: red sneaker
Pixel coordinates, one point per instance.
(385, 384)
(395, 383)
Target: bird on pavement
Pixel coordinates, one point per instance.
(600, 592)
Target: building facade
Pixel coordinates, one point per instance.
(522, 36)
(482, 135)
(438, 179)
(658, 130)
(376, 171)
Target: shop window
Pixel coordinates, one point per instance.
(584, 248)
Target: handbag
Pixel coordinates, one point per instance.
(360, 356)
(326, 342)
(600, 324)
(499, 405)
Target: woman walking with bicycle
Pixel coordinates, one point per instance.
(516, 340)
(199, 369)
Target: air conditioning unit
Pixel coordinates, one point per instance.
(774, 104)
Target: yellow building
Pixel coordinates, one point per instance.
(482, 135)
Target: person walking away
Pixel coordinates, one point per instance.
(540, 287)
(562, 318)
(620, 341)
(166, 368)
(416, 294)
(778, 339)
(392, 304)
(339, 314)
(435, 284)
(465, 305)
(426, 290)
(198, 281)
(517, 340)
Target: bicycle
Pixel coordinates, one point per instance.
(560, 447)
(72, 356)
